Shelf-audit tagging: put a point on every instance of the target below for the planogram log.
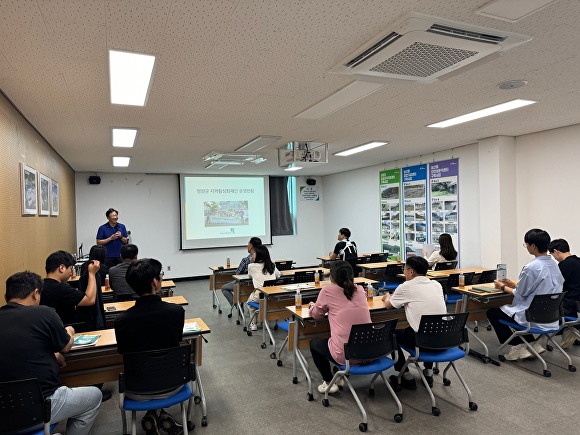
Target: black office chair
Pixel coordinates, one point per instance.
(284, 265)
(23, 408)
(446, 265)
(353, 262)
(487, 276)
(303, 276)
(452, 296)
(391, 278)
(378, 258)
(157, 372)
(543, 309)
(371, 343)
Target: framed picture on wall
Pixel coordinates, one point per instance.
(29, 196)
(54, 198)
(44, 194)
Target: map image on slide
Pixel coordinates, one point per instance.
(225, 213)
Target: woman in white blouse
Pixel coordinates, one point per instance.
(260, 270)
(446, 251)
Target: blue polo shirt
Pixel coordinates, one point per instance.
(114, 246)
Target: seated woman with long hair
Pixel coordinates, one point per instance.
(260, 270)
(446, 251)
(346, 305)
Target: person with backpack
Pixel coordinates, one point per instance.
(344, 249)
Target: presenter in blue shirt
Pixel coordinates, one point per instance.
(112, 235)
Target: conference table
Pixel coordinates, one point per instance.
(303, 328)
(326, 260)
(274, 301)
(102, 363)
(374, 268)
(113, 309)
(166, 285)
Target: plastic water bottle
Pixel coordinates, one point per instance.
(228, 262)
(316, 278)
(298, 299)
(107, 286)
(461, 280)
(370, 292)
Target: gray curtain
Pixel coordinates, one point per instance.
(280, 217)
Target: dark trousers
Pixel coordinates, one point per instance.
(406, 337)
(322, 357)
(502, 331)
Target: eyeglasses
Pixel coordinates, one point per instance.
(161, 274)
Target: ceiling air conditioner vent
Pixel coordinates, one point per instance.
(423, 48)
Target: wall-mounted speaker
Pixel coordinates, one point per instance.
(94, 179)
(311, 181)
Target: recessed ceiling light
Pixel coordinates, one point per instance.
(293, 167)
(130, 77)
(124, 137)
(493, 110)
(121, 162)
(360, 148)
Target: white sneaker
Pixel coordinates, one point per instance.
(253, 327)
(324, 386)
(340, 382)
(568, 338)
(538, 348)
(519, 351)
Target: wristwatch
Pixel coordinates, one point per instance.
(502, 288)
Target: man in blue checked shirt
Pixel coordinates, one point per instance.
(228, 288)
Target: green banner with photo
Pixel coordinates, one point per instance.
(390, 191)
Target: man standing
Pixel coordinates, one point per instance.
(32, 341)
(569, 266)
(112, 235)
(539, 277)
(149, 325)
(59, 294)
(420, 296)
(122, 291)
(228, 288)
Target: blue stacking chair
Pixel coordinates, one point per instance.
(391, 278)
(572, 323)
(543, 309)
(372, 343)
(442, 335)
(23, 408)
(153, 373)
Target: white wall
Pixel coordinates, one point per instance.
(148, 205)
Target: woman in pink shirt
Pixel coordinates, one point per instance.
(346, 305)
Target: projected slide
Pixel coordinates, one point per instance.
(223, 211)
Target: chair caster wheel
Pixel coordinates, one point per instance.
(279, 363)
(214, 306)
(309, 397)
(572, 368)
(446, 382)
(371, 392)
(362, 427)
(245, 328)
(435, 411)
(294, 380)
(476, 329)
(273, 355)
(488, 327)
(190, 426)
(197, 400)
(230, 316)
(203, 421)
(473, 406)
(435, 371)
(276, 327)
(549, 348)
(238, 322)
(263, 345)
(219, 311)
(486, 360)
(547, 373)
(249, 333)
(501, 358)
(325, 403)
(398, 418)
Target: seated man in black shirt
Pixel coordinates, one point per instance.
(344, 249)
(33, 339)
(150, 324)
(569, 266)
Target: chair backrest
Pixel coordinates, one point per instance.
(370, 341)
(446, 265)
(546, 308)
(487, 276)
(22, 405)
(284, 265)
(157, 371)
(304, 276)
(279, 281)
(394, 269)
(442, 331)
(453, 279)
(378, 258)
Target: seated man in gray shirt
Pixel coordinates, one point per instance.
(121, 290)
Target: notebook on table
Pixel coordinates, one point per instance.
(487, 288)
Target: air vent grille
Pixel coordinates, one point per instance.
(466, 34)
(375, 48)
(422, 60)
